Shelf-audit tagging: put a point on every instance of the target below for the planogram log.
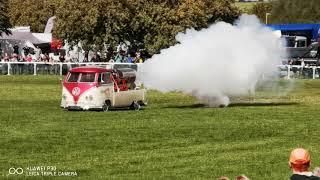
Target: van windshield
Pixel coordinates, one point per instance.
(87, 77)
(73, 77)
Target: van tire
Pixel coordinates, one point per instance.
(135, 106)
(106, 106)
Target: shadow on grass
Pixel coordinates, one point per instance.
(192, 106)
(248, 104)
(239, 104)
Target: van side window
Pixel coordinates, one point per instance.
(104, 78)
(99, 78)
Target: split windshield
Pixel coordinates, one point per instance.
(73, 77)
(81, 77)
(87, 77)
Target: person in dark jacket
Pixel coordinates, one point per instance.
(16, 49)
(299, 162)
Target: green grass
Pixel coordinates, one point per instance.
(172, 138)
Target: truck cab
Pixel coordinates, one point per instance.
(298, 47)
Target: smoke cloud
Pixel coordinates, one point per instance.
(215, 63)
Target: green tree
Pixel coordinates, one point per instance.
(166, 21)
(261, 9)
(33, 13)
(77, 20)
(4, 19)
(295, 11)
(150, 23)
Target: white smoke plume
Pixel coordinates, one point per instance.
(215, 63)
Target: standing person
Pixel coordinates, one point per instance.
(0, 52)
(86, 56)
(61, 58)
(138, 58)
(16, 49)
(28, 67)
(299, 162)
(67, 58)
(28, 58)
(26, 51)
(6, 57)
(109, 53)
(98, 57)
(130, 58)
(94, 57)
(37, 54)
(120, 57)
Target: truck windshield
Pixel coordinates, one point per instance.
(73, 77)
(290, 41)
(87, 77)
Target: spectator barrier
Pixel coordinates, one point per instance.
(35, 68)
(298, 71)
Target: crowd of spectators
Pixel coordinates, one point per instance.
(28, 54)
(52, 60)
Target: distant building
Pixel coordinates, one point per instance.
(311, 31)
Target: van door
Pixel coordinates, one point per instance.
(105, 86)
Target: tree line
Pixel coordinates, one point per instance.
(284, 11)
(295, 11)
(4, 18)
(149, 24)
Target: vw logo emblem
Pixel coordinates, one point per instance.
(76, 91)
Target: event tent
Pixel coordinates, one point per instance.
(311, 31)
(24, 39)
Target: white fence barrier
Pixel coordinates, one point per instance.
(297, 71)
(35, 68)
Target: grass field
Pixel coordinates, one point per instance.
(245, 7)
(172, 138)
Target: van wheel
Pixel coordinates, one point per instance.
(106, 105)
(136, 106)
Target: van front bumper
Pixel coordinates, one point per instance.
(78, 108)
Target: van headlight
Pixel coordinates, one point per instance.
(64, 97)
(89, 98)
